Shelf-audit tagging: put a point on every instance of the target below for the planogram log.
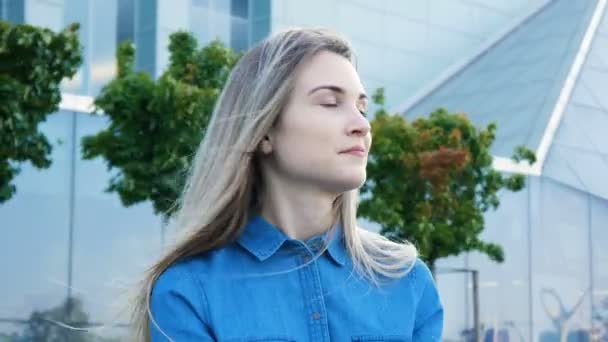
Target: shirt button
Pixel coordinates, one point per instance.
(316, 316)
(307, 258)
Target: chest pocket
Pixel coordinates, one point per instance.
(380, 338)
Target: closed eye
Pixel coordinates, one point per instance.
(333, 105)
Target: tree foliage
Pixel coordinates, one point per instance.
(156, 125)
(431, 180)
(33, 62)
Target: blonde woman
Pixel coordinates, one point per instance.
(270, 249)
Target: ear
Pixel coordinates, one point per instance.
(265, 146)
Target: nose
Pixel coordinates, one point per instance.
(358, 125)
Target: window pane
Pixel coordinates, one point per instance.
(126, 20)
(124, 240)
(560, 263)
(599, 222)
(34, 242)
(102, 44)
(201, 3)
(454, 294)
(259, 30)
(239, 35)
(11, 331)
(240, 8)
(145, 35)
(260, 9)
(221, 6)
(15, 11)
(48, 14)
(504, 287)
(219, 26)
(199, 24)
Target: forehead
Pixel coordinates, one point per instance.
(328, 68)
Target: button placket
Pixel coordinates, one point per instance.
(309, 275)
(319, 315)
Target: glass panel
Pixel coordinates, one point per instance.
(599, 222)
(239, 36)
(221, 6)
(560, 264)
(126, 20)
(240, 8)
(15, 11)
(504, 287)
(145, 35)
(259, 30)
(34, 244)
(103, 44)
(455, 294)
(11, 332)
(78, 11)
(146, 14)
(541, 49)
(260, 9)
(45, 13)
(219, 26)
(200, 3)
(124, 240)
(457, 15)
(199, 25)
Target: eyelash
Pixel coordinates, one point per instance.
(333, 105)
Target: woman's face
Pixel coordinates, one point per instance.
(322, 137)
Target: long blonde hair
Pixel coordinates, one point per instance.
(224, 184)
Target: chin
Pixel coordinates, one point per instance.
(350, 183)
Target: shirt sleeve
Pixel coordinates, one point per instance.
(429, 314)
(178, 308)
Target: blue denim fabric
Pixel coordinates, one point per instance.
(267, 287)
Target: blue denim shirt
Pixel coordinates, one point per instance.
(267, 287)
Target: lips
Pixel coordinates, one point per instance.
(355, 150)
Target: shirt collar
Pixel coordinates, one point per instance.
(337, 247)
(262, 239)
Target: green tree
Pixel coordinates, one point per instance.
(156, 125)
(33, 62)
(431, 180)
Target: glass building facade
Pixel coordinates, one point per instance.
(543, 83)
(62, 235)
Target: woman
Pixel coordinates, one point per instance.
(271, 250)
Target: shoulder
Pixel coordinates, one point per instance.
(178, 292)
(421, 284)
(189, 275)
(177, 279)
(429, 308)
(420, 276)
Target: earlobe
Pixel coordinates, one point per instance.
(265, 145)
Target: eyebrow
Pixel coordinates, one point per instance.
(334, 89)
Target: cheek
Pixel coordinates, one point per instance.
(307, 143)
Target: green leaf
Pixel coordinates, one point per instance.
(33, 61)
(155, 125)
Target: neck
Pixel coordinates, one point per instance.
(299, 213)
